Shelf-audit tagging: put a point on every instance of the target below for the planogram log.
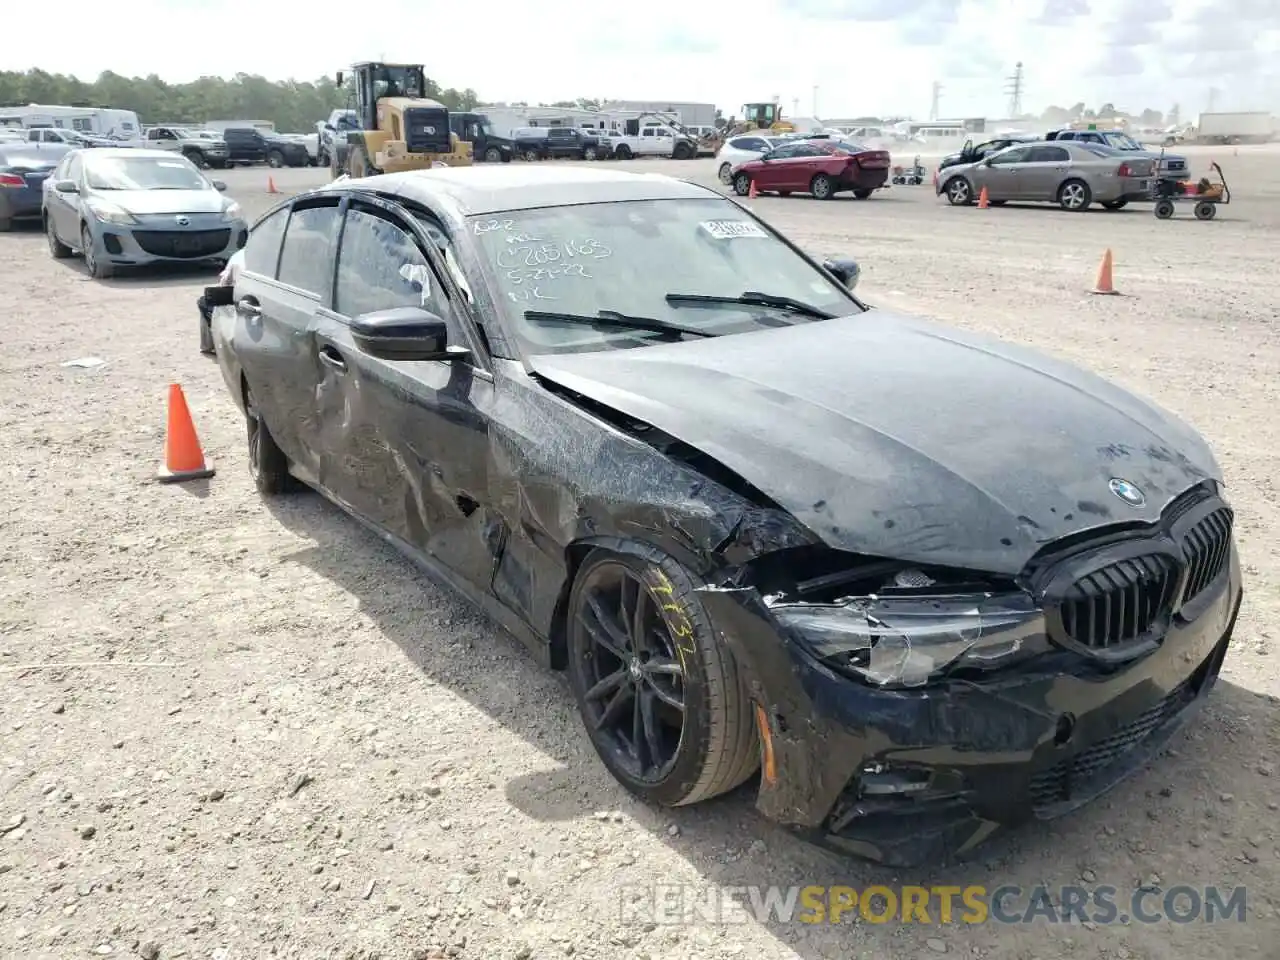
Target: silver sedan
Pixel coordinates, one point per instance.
(1072, 175)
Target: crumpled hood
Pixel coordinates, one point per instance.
(896, 437)
(148, 202)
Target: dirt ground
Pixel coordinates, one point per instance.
(235, 730)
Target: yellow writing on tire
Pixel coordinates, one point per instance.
(674, 616)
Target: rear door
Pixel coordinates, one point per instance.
(277, 302)
(1046, 167)
(406, 442)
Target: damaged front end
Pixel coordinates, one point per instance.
(908, 713)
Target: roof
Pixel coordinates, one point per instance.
(495, 188)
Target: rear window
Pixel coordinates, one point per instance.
(1101, 150)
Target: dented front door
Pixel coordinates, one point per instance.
(406, 441)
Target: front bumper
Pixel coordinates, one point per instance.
(1032, 744)
(162, 240)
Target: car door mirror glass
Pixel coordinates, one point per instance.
(405, 333)
(66, 186)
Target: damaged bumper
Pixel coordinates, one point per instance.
(911, 775)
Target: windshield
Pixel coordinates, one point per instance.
(628, 257)
(1122, 141)
(143, 173)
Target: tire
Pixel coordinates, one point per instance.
(531, 155)
(862, 194)
(275, 159)
(589, 153)
(715, 747)
(822, 188)
(1163, 209)
(267, 463)
(57, 249)
(623, 152)
(1114, 204)
(742, 185)
(682, 152)
(322, 160)
(784, 193)
(726, 174)
(1075, 196)
(92, 265)
(959, 192)
(197, 157)
(1204, 210)
(493, 155)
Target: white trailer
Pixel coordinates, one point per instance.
(102, 121)
(1256, 126)
(222, 126)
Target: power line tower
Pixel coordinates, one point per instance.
(933, 104)
(1014, 90)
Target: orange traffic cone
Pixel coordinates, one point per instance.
(982, 199)
(271, 185)
(752, 193)
(1104, 284)
(183, 458)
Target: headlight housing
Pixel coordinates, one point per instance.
(907, 641)
(110, 213)
(232, 212)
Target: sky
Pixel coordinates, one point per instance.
(864, 57)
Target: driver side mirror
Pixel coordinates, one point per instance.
(67, 186)
(986, 161)
(219, 185)
(846, 271)
(405, 333)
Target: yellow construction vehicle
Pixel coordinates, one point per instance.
(398, 127)
(761, 116)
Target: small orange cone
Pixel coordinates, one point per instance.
(752, 193)
(183, 458)
(1104, 285)
(982, 199)
(271, 185)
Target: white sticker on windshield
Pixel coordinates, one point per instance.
(729, 229)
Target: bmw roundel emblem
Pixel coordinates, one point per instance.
(1127, 492)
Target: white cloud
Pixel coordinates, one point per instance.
(865, 56)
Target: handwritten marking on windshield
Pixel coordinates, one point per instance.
(548, 253)
(536, 274)
(525, 294)
(489, 226)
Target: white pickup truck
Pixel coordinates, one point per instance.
(200, 149)
(651, 136)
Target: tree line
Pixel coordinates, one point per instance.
(292, 106)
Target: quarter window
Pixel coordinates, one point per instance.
(262, 251)
(305, 259)
(380, 268)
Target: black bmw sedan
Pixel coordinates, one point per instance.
(916, 583)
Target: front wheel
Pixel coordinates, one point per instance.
(1204, 210)
(726, 174)
(959, 193)
(589, 153)
(97, 269)
(861, 194)
(822, 187)
(198, 158)
(623, 152)
(658, 691)
(493, 155)
(531, 155)
(275, 159)
(1075, 196)
(1163, 209)
(267, 463)
(742, 185)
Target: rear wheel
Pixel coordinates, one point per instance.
(1075, 195)
(726, 174)
(267, 463)
(1205, 210)
(682, 152)
(959, 192)
(742, 184)
(623, 152)
(822, 187)
(57, 249)
(275, 159)
(589, 153)
(531, 155)
(861, 194)
(1114, 204)
(493, 155)
(658, 691)
(1163, 209)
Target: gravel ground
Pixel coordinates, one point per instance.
(233, 729)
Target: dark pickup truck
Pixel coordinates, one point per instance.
(553, 142)
(486, 146)
(249, 145)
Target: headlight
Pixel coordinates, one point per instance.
(908, 641)
(110, 213)
(232, 212)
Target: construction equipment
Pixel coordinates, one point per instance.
(756, 116)
(399, 127)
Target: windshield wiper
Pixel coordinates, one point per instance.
(611, 318)
(755, 299)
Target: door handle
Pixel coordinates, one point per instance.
(332, 358)
(248, 308)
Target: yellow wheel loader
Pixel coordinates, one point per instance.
(399, 127)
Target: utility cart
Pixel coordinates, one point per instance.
(913, 175)
(1206, 193)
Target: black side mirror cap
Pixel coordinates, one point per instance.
(67, 186)
(405, 333)
(219, 185)
(846, 271)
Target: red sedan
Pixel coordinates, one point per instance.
(820, 167)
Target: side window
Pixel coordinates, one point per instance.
(262, 252)
(380, 268)
(1018, 155)
(809, 150)
(1066, 135)
(1049, 155)
(305, 258)
(781, 153)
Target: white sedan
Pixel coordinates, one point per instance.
(738, 150)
